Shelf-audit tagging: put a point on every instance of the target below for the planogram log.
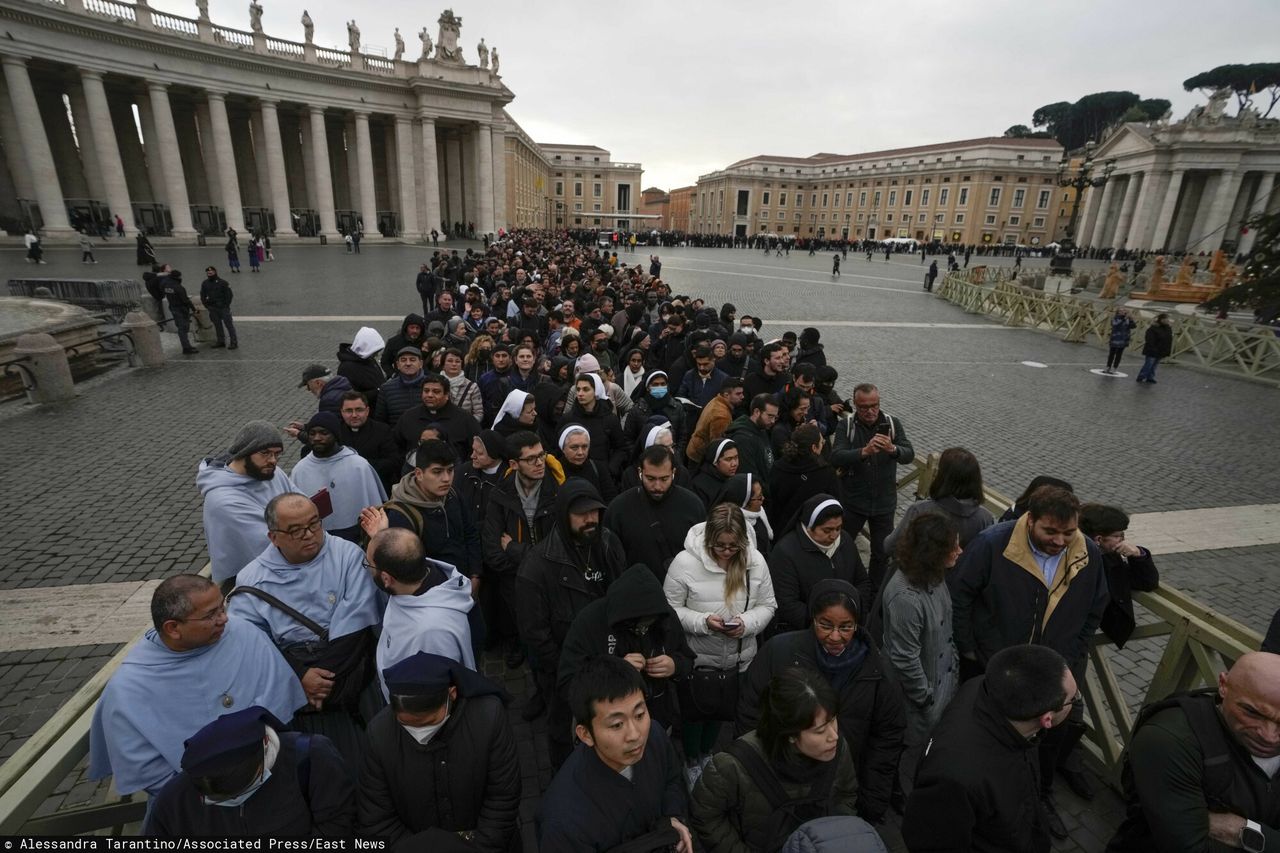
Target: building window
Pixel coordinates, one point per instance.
(1043, 201)
(848, 199)
(813, 200)
(862, 199)
(782, 199)
(876, 200)
(937, 217)
(577, 206)
(559, 187)
(959, 218)
(765, 199)
(906, 198)
(994, 200)
(597, 190)
(1019, 196)
(943, 195)
(781, 215)
(991, 219)
(924, 198)
(824, 199)
(893, 197)
(1038, 222)
(922, 219)
(964, 197)
(859, 217)
(1015, 220)
(797, 217)
(596, 207)
(577, 188)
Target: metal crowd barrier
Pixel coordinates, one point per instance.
(114, 296)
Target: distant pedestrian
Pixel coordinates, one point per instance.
(35, 252)
(350, 241)
(887, 252)
(181, 307)
(86, 250)
(930, 276)
(215, 294)
(869, 253)
(435, 237)
(1158, 345)
(119, 226)
(146, 252)
(355, 239)
(835, 265)
(233, 253)
(1122, 325)
(266, 248)
(255, 254)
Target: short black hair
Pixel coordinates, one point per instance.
(703, 351)
(759, 401)
(1026, 681)
(731, 384)
(805, 370)
(602, 678)
(422, 703)
(355, 395)
(789, 705)
(1101, 520)
(1053, 502)
(435, 379)
(657, 455)
(172, 599)
(434, 452)
(770, 349)
(519, 440)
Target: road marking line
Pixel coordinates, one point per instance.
(1209, 529)
(917, 289)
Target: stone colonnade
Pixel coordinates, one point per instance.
(181, 160)
(1177, 209)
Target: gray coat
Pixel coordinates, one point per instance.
(918, 648)
(969, 517)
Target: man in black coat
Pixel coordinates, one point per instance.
(623, 782)
(441, 770)
(180, 306)
(652, 519)
(456, 427)
(975, 788)
(633, 622)
(371, 439)
(772, 375)
(567, 570)
(244, 775)
(412, 333)
(215, 294)
(1158, 344)
(1128, 567)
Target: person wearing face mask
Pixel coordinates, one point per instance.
(633, 622)
(654, 399)
(813, 548)
(870, 702)
(795, 757)
(442, 772)
(244, 775)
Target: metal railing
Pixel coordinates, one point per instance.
(116, 296)
(1201, 643)
(1203, 343)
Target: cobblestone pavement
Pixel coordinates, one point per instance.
(102, 488)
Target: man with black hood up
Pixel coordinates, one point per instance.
(810, 349)
(413, 332)
(568, 569)
(633, 622)
(737, 361)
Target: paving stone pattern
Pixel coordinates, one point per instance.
(102, 488)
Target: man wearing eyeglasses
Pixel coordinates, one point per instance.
(236, 486)
(975, 788)
(520, 514)
(311, 594)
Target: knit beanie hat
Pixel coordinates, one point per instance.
(253, 437)
(326, 421)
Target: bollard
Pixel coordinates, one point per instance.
(49, 368)
(147, 349)
(202, 327)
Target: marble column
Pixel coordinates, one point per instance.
(430, 177)
(1105, 218)
(322, 178)
(258, 148)
(367, 198)
(1218, 224)
(1127, 204)
(1194, 233)
(409, 228)
(499, 177)
(453, 175)
(484, 179)
(389, 197)
(103, 129)
(1160, 236)
(224, 154)
(62, 141)
(203, 142)
(165, 143)
(1261, 198)
(1089, 207)
(13, 155)
(136, 169)
(273, 153)
(1152, 185)
(87, 143)
(35, 148)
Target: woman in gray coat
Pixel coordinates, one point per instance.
(918, 646)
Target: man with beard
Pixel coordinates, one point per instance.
(236, 486)
(370, 438)
(772, 375)
(194, 664)
(304, 573)
(496, 383)
(430, 604)
(568, 569)
(651, 520)
(737, 361)
(456, 426)
(1037, 580)
(347, 481)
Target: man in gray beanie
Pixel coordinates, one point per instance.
(236, 486)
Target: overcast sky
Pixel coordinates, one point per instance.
(689, 87)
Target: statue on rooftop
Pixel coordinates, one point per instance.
(308, 27)
(426, 44)
(399, 45)
(494, 55)
(353, 36)
(447, 47)
(483, 52)
(255, 16)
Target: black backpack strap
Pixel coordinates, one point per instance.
(409, 511)
(270, 599)
(758, 769)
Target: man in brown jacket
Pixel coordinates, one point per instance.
(714, 420)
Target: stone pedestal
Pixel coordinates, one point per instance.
(202, 327)
(49, 367)
(147, 349)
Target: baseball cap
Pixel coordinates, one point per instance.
(313, 371)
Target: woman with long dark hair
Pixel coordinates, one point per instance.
(796, 748)
(956, 492)
(800, 473)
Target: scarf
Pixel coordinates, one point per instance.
(840, 669)
(829, 550)
(758, 517)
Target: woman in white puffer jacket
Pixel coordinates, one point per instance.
(719, 586)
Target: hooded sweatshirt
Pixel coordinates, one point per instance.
(969, 516)
(432, 620)
(357, 361)
(234, 530)
(402, 339)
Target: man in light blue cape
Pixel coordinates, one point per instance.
(236, 486)
(347, 478)
(193, 666)
(323, 579)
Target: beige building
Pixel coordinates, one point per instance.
(569, 186)
(680, 211)
(991, 190)
(656, 204)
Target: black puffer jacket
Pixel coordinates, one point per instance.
(872, 717)
(870, 485)
(794, 481)
(1158, 342)
(467, 778)
(364, 373)
(796, 565)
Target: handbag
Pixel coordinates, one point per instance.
(710, 694)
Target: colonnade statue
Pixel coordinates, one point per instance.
(483, 53)
(353, 36)
(255, 16)
(447, 47)
(494, 53)
(399, 45)
(426, 44)
(308, 27)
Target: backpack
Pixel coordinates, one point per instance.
(787, 813)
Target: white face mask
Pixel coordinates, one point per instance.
(424, 734)
(270, 752)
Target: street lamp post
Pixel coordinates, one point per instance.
(1080, 180)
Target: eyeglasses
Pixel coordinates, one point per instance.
(534, 459)
(1074, 702)
(828, 628)
(300, 533)
(726, 549)
(211, 616)
(368, 567)
(270, 455)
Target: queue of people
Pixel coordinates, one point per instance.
(512, 472)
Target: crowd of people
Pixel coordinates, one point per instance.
(650, 505)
